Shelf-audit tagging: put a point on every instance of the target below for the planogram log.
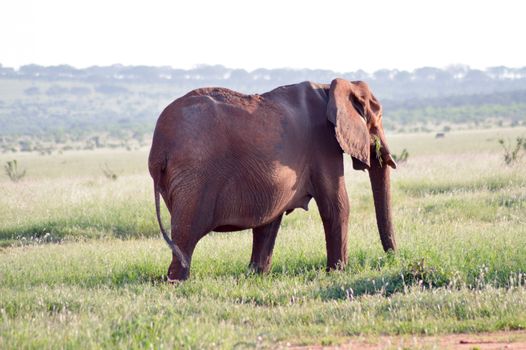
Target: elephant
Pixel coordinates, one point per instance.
(225, 161)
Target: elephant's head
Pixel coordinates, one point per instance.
(357, 117)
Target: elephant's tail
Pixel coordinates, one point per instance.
(175, 249)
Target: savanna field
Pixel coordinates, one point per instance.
(82, 260)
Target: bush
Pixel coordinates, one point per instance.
(110, 174)
(511, 153)
(402, 158)
(11, 169)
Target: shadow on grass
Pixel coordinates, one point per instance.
(390, 280)
(54, 231)
(245, 287)
(391, 277)
(387, 284)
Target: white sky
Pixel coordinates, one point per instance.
(337, 35)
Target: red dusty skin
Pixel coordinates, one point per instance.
(381, 183)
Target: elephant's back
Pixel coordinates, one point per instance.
(220, 120)
(218, 95)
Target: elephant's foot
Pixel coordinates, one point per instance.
(259, 267)
(177, 273)
(336, 265)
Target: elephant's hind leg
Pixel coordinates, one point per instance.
(186, 240)
(264, 238)
(190, 222)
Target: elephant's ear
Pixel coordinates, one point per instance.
(351, 128)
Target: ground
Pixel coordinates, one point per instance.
(482, 341)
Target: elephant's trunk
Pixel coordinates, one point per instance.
(379, 174)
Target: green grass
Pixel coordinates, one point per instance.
(82, 261)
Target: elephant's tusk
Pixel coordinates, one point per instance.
(390, 161)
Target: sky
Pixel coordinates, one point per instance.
(338, 35)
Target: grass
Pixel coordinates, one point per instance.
(82, 261)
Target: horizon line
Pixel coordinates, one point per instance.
(201, 65)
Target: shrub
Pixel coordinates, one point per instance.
(110, 174)
(11, 169)
(511, 153)
(402, 158)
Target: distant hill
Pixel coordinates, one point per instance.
(65, 103)
(423, 82)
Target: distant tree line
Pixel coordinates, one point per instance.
(62, 104)
(425, 82)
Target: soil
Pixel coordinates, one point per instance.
(480, 341)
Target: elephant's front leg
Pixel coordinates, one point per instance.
(334, 211)
(263, 245)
